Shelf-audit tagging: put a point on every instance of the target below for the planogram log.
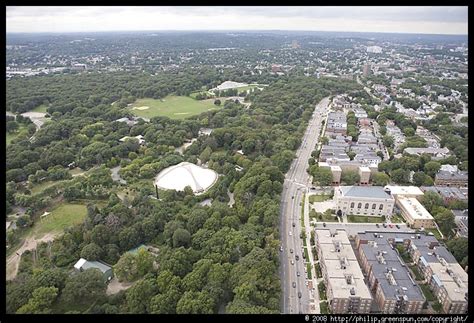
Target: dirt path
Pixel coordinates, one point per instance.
(30, 243)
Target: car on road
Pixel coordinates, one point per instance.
(384, 225)
(294, 224)
(291, 250)
(398, 227)
(293, 197)
(298, 274)
(324, 224)
(390, 225)
(297, 257)
(306, 283)
(292, 262)
(281, 248)
(378, 226)
(299, 294)
(294, 285)
(290, 233)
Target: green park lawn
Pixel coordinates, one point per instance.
(174, 107)
(40, 108)
(364, 219)
(22, 129)
(61, 217)
(318, 198)
(38, 188)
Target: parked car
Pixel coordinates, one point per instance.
(297, 257)
(398, 227)
(299, 294)
(292, 262)
(281, 248)
(290, 233)
(378, 226)
(291, 250)
(294, 224)
(298, 274)
(390, 225)
(294, 285)
(384, 225)
(324, 224)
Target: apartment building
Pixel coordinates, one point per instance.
(451, 178)
(445, 276)
(448, 194)
(394, 290)
(438, 266)
(363, 200)
(345, 287)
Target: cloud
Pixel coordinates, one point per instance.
(390, 19)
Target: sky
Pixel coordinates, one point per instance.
(420, 20)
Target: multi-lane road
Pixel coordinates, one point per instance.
(295, 293)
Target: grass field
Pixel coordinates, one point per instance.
(174, 107)
(42, 186)
(22, 129)
(63, 216)
(318, 198)
(40, 108)
(364, 219)
(194, 94)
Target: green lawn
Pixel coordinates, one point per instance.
(63, 216)
(364, 219)
(306, 253)
(427, 292)
(322, 291)
(318, 198)
(174, 107)
(435, 232)
(40, 108)
(319, 274)
(38, 188)
(403, 253)
(397, 219)
(22, 129)
(324, 307)
(416, 271)
(194, 94)
(308, 270)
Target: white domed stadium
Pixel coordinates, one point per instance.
(184, 174)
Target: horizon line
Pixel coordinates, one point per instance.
(228, 30)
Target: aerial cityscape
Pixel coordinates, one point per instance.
(253, 160)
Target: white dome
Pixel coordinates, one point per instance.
(179, 176)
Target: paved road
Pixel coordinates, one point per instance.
(296, 183)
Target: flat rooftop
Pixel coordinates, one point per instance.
(404, 190)
(414, 208)
(344, 275)
(364, 192)
(391, 272)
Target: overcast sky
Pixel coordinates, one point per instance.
(427, 20)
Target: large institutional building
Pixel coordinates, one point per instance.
(345, 287)
(363, 200)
